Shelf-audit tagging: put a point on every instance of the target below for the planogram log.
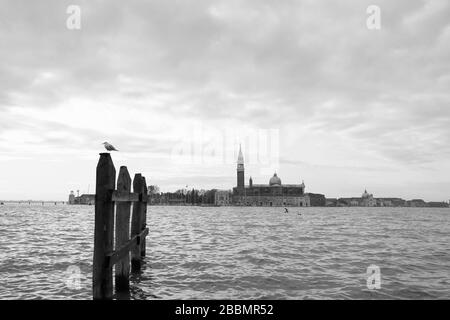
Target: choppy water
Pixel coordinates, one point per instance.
(241, 253)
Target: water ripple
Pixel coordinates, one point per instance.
(236, 253)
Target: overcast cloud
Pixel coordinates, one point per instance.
(355, 108)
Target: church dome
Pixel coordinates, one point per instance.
(275, 181)
(365, 194)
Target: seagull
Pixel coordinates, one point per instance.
(109, 146)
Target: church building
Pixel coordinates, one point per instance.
(273, 194)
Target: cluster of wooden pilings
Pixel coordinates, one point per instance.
(109, 252)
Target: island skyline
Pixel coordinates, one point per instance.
(238, 196)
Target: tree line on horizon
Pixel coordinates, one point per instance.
(192, 197)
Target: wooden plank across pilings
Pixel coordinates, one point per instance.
(124, 250)
(123, 196)
(119, 196)
(102, 282)
(122, 268)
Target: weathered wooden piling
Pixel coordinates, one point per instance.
(136, 223)
(144, 216)
(104, 227)
(123, 230)
(105, 254)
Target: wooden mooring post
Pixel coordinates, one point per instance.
(107, 252)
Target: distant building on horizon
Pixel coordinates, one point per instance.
(222, 198)
(273, 194)
(88, 199)
(367, 200)
(72, 197)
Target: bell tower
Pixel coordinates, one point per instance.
(240, 169)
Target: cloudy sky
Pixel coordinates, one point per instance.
(176, 85)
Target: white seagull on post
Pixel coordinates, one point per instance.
(109, 146)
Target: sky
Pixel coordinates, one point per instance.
(307, 89)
